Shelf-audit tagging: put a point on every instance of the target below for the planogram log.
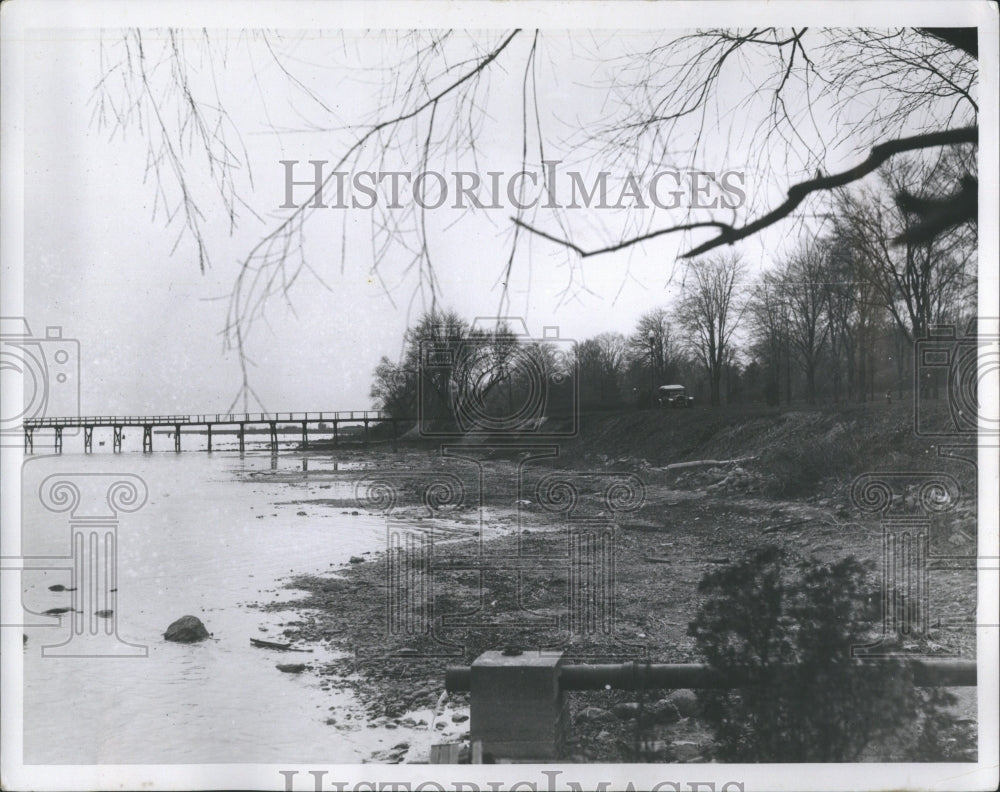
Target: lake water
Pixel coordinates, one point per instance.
(211, 539)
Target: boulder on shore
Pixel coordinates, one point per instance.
(685, 702)
(187, 629)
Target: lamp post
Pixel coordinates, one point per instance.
(652, 370)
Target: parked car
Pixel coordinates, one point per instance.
(673, 396)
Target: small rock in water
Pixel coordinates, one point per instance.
(459, 717)
(300, 514)
(187, 629)
(291, 668)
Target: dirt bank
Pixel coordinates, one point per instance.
(490, 559)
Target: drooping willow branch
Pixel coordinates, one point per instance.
(262, 271)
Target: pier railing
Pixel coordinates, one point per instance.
(277, 422)
(341, 416)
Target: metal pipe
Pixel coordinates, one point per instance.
(635, 676)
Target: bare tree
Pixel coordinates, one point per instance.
(394, 389)
(917, 279)
(654, 355)
(804, 287)
(844, 294)
(768, 315)
(435, 349)
(601, 362)
(859, 306)
(653, 343)
(710, 311)
(807, 95)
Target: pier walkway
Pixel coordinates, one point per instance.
(282, 422)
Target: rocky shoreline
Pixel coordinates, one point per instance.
(683, 527)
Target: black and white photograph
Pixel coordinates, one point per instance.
(472, 396)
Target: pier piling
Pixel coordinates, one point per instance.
(237, 423)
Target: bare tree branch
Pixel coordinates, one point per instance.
(797, 193)
(620, 245)
(266, 261)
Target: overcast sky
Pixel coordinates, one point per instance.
(150, 324)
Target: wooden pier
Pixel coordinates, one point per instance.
(276, 423)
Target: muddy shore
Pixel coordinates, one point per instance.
(394, 615)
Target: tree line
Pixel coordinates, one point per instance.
(835, 320)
